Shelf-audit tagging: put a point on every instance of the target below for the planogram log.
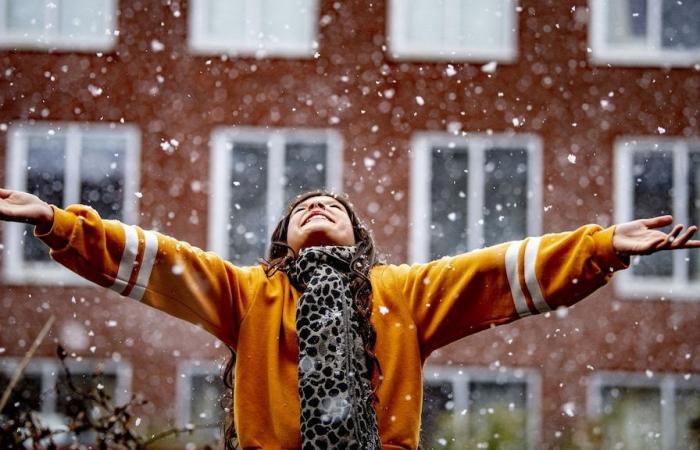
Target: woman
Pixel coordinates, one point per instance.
(330, 344)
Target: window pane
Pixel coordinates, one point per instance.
(425, 22)
(207, 393)
(305, 168)
(26, 395)
(290, 21)
(505, 195)
(497, 414)
(448, 206)
(631, 418)
(248, 203)
(483, 23)
(681, 24)
(102, 175)
(45, 175)
(70, 403)
(26, 15)
(688, 419)
(437, 419)
(227, 19)
(653, 196)
(627, 22)
(83, 18)
(694, 210)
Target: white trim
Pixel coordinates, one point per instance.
(183, 394)
(649, 54)
(276, 140)
(678, 286)
(53, 41)
(533, 285)
(512, 266)
(15, 270)
(126, 263)
(421, 147)
(667, 383)
(149, 257)
(461, 377)
(401, 48)
(253, 43)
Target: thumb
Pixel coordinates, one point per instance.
(4, 193)
(658, 222)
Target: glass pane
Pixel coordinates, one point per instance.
(83, 18)
(227, 19)
(437, 420)
(305, 169)
(482, 23)
(497, 415)
(26, 15)
(207, 393)
(425, 22)
(694, 210)
(102, 169)
(248, 203)
(653, 196)
(70, 403)
(631, 418)
(288, 22)
(627, 22)
(26, 395)
(448, 206)
(505, 195)
(688, 419)
(45, 176)
(681, 24)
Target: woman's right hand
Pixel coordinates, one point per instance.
(16, 206)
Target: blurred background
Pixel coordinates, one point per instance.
(451, 124)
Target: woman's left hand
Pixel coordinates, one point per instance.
(640, 237)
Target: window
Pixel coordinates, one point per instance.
(645, 411)
(465, 408)
(255, 172)
(64, 163)
(43, 387)
(257, 28)
(656, 176)
(469, 30)
(201, 397)
(87, 25)
(472, 191)
(645, 32)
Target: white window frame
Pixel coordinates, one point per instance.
(53, 41)
(402, 49)
(200, 42)
(461, 377)
(653, 54)
(679, 286)
(667, 384)
(276, 140)
(420, 199)
(186, 370)
(17, 271)
(49, 369)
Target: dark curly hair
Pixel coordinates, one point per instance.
(363, 261)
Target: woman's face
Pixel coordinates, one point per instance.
(319, 220)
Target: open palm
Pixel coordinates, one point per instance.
(641, 237)
(16, 206)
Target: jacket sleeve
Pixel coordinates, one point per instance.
(154, 269)
(456, 296)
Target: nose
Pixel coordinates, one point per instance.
(316, 204)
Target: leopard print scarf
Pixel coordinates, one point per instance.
(335, 390)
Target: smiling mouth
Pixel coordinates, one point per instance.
(316, 217)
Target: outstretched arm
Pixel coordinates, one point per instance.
(641, 237)
(16, 206)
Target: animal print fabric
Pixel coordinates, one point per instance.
(334, 386)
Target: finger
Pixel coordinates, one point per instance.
(682, 239)
(658, 222)
(4, 193)
(670, 237)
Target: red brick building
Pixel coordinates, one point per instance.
(451, 124)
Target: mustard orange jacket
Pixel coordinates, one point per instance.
(417, 308)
